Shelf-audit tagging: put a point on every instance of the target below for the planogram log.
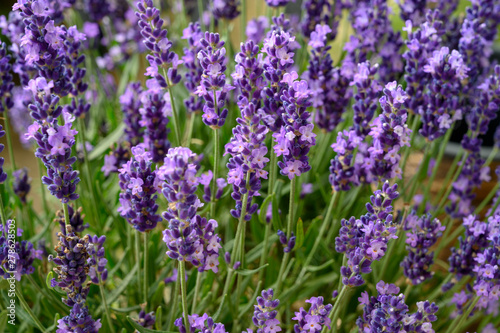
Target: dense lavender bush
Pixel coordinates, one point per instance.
(135, 116)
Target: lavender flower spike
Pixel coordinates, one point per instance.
(296, 136)
(21, 184)
(189, 237)
(139, 185)
(155, 39)
(213, 87)
(202, 324)
(264, 315)
(314, 319)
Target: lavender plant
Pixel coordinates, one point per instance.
(387, 85)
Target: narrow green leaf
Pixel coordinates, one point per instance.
(50, 276)
(219, 310)
(299, 234)
(159, 320)
(251, 301)
(158, 294)
(143, 329)
(276, 216)
(117, 292)
(263, 209)
(318, 268)
(105, 143)
(246, 272)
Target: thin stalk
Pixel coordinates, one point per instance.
(9, 141)
(272, 172)
(216, 170)
(449, 174)
(200, 15)
(66, 215)
(87, 170)
(174, 113)
(182, 274)
(438, 289)
(47, 296)
(449, 187)
(138, 258)
(334, 314)
(291, 206)
(190, 126)
(414, 186)
(407, 290)
(146, 268)
(492, 155)
(438, 162)
(173, 305)
(488, 198)
(415, 123)
(105, 303)
(494, 208)
(28, 310)
(322, 230)
(390, 247)
(458, 321)
(3, 215)
(264, 249)
(196, 292)
(44, 197)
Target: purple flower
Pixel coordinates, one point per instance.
(155, 39)
(21, 184)
(315, 318)
(295, 137)
(3, 174)
(365, 240)
(193, 35)
(76, 219)
(154, 112)
(79, 316)
(423, 234)
(327, 85)
(146, 320)
(138, 205)
(189, 237)
(6, 84)
(21, 261)
(130, 102)
(275, 70)
(225, 9)
(264, 315)
(388, 312)
(256, 29)
(200, 324)
(278, 3)
(213, 87)
(319, 12)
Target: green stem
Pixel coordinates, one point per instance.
(173, 305)
(444, 143)
(334, 314)
(289, 228)
(44, 197)
(488, 198)
(87, 170)
(414, 126)
(449, 187)
(174, 114)
(216, 171)
(390, 248)
(449, 174)
(196, 291)
(3, 215)
(189, 133)
(138, 258)
(458, 321)
(324, 225)
(105, 303)
(264, 253)
(146, 284)
(9, 141)
(492, 155)
(272, 172)
(28, 310)
(66, 215)
(200, 15)
(438, 289)
(182, 274)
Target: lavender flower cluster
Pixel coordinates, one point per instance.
(189, 237)
(365, 240)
